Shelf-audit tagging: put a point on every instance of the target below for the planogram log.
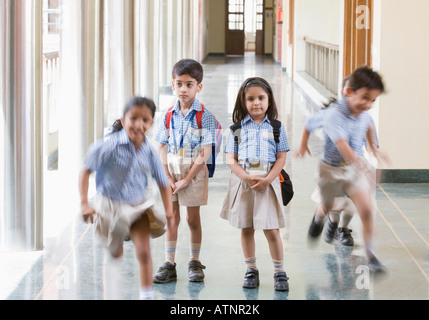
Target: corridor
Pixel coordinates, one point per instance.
(72, 265)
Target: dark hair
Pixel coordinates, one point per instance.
(189, 66)
(134, 102)
(240, 111)
(365, 77)
(333, 100)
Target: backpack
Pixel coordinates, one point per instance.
(285, 181)
(211, 163)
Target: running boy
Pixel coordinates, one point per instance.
(341, 171)
(185, 147)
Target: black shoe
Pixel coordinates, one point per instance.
(344, 236)
(315, 229)
(330, 231)
(166, 273)
(280, 281)
(251, 279)
(195, 271)
(375, 265)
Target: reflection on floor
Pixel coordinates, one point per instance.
(73, 264)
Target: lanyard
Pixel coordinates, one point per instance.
(176, 150)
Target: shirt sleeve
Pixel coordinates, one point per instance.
(162, 134)
(98, 153)
(158, 171)
(333, 126)
(231, 145)
(283, 145)
(209, 126)
(315, 121)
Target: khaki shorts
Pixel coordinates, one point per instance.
(341, 181)
(196, 193)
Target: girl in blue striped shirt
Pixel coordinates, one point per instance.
(254, 200)
(123, 163)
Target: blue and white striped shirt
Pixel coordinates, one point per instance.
(317, 121)
(339, 123)
(181, 127)
(257, 142)
(121, 171)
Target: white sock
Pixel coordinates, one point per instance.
(195, 251)
(146, 293)
(170, 251)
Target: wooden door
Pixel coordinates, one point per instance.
(358, 35)
(260, 14)
(234, 27)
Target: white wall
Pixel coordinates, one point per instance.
(317, 19)
(401, 55)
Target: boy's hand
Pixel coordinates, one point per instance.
(88, 213)
(300, 154)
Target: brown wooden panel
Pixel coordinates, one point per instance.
(358, 35)
(235, 42)
(260, 43)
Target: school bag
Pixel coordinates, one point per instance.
(285, 181)
(211, 163)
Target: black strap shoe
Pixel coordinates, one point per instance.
(251, 279)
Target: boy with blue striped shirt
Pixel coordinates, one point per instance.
(341, 171)
(185, 147)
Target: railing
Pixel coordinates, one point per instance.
(322, 62)
(51, 77)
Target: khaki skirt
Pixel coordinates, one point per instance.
(113, 220)
(245, 208)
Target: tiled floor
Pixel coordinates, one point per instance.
(72, 266)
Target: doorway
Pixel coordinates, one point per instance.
(244, 27)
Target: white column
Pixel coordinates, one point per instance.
(21, 140)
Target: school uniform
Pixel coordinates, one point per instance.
(185, 141)
(337, 177)
(257, 153)
(122, 178)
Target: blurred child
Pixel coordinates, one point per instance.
(123, 163)
(341, 170)
(254, 199)
(343, 208)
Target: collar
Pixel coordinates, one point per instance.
(248, 118)
(196, 105)
(124, 140)
(344, 107)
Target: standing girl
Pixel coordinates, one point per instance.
(256, 157)
(122, 163)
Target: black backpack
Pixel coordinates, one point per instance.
(285, 181)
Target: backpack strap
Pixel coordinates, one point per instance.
(168, 119)
(199, 117)
(276, 124)
(235, 127)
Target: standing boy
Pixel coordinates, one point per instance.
(186, 136)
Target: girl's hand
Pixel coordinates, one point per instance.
(261, 185)
(182, 184)
(88, 213)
